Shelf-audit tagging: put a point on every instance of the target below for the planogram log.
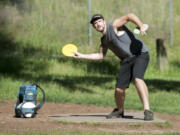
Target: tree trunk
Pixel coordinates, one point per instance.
(162, 60)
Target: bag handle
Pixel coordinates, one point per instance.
(42, 101)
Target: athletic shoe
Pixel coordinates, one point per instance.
(148, 115)
(115, 114)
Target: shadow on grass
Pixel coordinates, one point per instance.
(155, 85)
(71, 83)
(176, 64)
(104, 67)
(22, 5)
(23, 63)
(15, 59)
(9, 63)
(30, 64)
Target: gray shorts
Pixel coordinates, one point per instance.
(131, 68)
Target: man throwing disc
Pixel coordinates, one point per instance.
(133, 54)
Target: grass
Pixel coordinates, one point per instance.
(64, 122)
(164, 125)
(135, 125)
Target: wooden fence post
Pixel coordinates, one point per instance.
(162, 60)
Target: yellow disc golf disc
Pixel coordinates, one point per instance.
(69, 49)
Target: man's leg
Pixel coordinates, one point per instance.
(139, 69)
(144, 96)
(123, 81)
(143, 92)
(119, 98)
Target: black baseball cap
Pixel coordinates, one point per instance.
(96, 17)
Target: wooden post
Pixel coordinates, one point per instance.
(162, 60)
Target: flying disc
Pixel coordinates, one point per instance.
(137, 30)
(69, 49)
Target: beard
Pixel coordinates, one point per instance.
(100, 29)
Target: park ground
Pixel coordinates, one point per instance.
(43, 122)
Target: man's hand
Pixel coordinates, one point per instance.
(143, 29)
(77, 55)
(93, 56)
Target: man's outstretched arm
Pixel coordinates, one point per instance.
(94, 56)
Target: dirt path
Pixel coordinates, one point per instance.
(44, 122)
